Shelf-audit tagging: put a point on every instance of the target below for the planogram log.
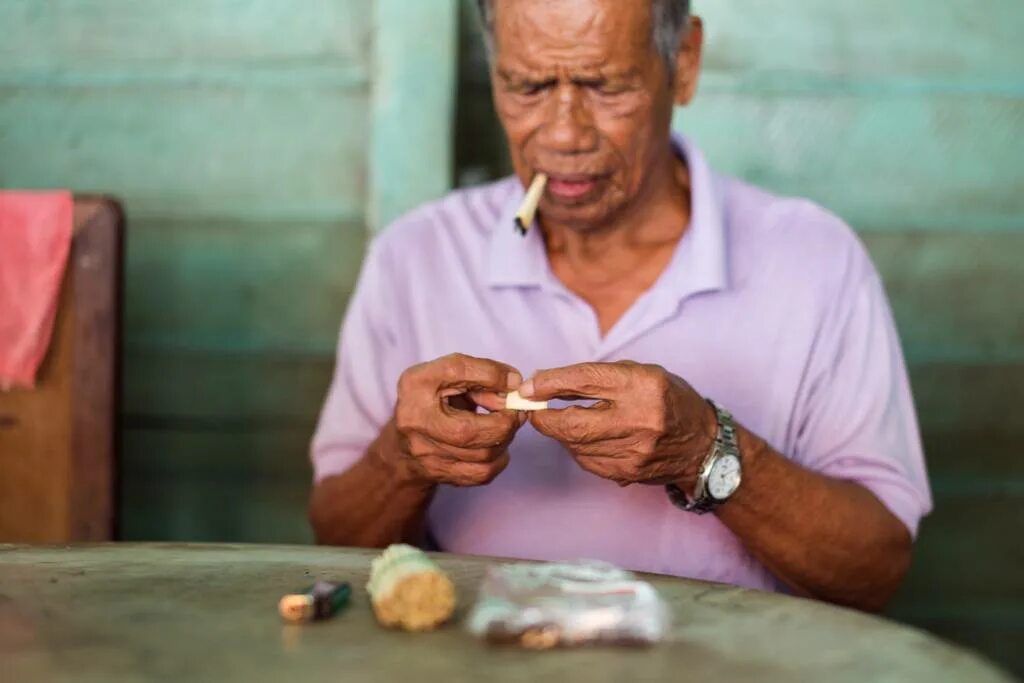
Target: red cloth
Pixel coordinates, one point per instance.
(35, 238)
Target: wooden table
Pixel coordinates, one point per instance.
(191, 612)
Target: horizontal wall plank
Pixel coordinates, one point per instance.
(240, 286)
(942, 162)
(289, 76)
(969, 398)
(192, 390)
(271, 453)
(106, 34)
(951, 292)
(965, 465)
(238, 486)
(192, 507)
(788, 84)
(207, 149)
(828, 46)
(965, 557)
(871, 39)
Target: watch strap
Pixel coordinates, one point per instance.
(701, 501)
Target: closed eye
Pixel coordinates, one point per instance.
(606, 88)
(533, 87)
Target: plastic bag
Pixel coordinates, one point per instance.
(540, 606)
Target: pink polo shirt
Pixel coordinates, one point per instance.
(770, 306)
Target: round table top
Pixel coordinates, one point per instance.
(197, 612)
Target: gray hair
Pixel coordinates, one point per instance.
(669, 18)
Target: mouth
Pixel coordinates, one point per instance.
(572, 187)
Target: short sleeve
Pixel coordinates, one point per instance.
(857, 417)
(361, 396)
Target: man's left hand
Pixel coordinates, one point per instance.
(648, 426)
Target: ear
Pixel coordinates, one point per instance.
(688, 61)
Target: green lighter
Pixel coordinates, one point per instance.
(320, 601)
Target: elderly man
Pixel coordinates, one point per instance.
(735, 349)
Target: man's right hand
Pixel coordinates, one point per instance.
(441, 437)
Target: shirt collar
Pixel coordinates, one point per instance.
(515, 260)
(699, 263)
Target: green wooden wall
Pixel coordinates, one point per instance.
(255, 144)
(907, 118)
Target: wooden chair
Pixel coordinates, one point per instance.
(58, 442)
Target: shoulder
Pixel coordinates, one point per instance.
(793, 241)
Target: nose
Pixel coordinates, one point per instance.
(569, 127)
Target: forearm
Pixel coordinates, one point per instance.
(827, 538)
(373, 504)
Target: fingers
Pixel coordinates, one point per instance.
(423, 447)
(444, 470)
(456, 374)
(436, 416)
(475, 474)
(459, 371)
(585, 380)
(456, 427)
(490, 400)
(577, 425)
(633, 446)
(469, 430)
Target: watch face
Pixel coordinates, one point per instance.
(724, 478)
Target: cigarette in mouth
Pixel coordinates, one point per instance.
(528, 209)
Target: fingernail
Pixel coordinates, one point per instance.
(526, 390)
(514, 379)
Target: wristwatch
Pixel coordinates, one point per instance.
(720, 473)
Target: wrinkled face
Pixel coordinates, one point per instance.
(583, 96)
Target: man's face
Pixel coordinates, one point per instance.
(583, 96)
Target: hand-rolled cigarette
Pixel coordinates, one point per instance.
(516, 402)
(409, 591)
(528, 209)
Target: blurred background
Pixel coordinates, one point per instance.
(256, 145)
